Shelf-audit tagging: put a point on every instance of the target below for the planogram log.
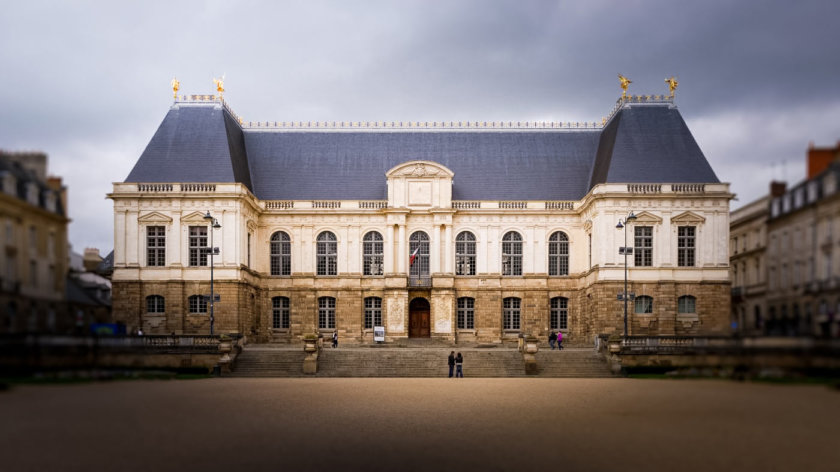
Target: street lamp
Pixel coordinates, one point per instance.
(623, 224)
(214, 224)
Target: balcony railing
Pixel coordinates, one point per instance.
(419, 281)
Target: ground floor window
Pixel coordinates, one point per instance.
(644, 304)
(559, 318)
(155, 304)
(373, 312)
(687, 304)
(197, 304)
(280, 313)
(511, 313)
(466, 313)
(326, 313)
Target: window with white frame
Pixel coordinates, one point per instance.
(559, 317)
(418, 261)
(558, 254)
(280, 313)
(155, 304)
(326, 313)
(198, 246)
(372, 254)
(644, 304)
(155, 246)
(643, 250)
(465, 253)
(281, 254)
(466, 313)
(373, 312)
(197, 304)
(511, 313)
(327, 254)
(687, 304)
(512, 253)
(685, 245)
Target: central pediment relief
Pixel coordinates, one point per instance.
(420, 169)
(420, 184)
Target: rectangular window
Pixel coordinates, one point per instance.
(280, 315)
(466, 313)
(373, 312)
(326, 313)
(685, 246)
(511, 313)
(559, 318)
(198, 246)
(33, 273)
(33, 238)
(155, 246)
(198, 304)
(643, 252)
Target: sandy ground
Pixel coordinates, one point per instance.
(420, 424)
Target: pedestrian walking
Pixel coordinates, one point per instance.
(552, 339)
(459, 364)
(451, 363)
(559, 340)
(335, 339)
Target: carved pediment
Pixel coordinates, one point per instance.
(154, 217)
(194, 217)
(688, 217)
(647, 218)
(420, 169)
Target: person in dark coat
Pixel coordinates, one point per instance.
(335, 338)
(459, 363)
(451, 363)
(552, 338)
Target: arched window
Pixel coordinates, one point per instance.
(372, 259)
(197, 304)
(559, 318)
(466, 313)
(280, 314)
(418, 246)
(327, 254)
(373, 312)
(281, 254)
(512, 254)
(465, 254)
(326, 313)
(155, 304)
(511, 313)
(558, 254)
(644, 304)
(687, 304)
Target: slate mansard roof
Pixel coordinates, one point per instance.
(204, 143)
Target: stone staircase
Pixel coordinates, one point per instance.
(272, 361)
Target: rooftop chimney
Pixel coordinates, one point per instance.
(777, 189)
(819, 159)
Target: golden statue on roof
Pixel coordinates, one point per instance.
(672, 84)
(624, 83)
(220, 85)
(176, 85)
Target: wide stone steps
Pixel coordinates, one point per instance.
(581, 363)
(269, 363)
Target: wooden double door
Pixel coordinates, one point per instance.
(419, 316)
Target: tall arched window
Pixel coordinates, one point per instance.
(373, 312)
(327, 254)
(465, 254)
(559, 313)
(686, 304)
(155, 304)
(326, 313)
(466, 313)
(558, 254)
(418, 246)
(197, 304)
(281, 254)
(512, 253)
(280, 313)
(644, 304)
(372, 259)
(511, 313)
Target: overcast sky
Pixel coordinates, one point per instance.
(88, 82)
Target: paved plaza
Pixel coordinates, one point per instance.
(420, 424)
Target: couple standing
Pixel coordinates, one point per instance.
(456, 361)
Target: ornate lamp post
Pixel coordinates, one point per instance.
(623, 224)
(214, 224)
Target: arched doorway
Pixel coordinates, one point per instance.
(418, 318)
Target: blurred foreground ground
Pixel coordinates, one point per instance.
(420, 424)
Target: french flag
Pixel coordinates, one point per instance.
(413, 256)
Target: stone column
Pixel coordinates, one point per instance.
(401, 253)
(434, 250)
(173, 242)
(389, 250)
(448, 264)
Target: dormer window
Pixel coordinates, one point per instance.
(49, 201)
(32, 193)
(8, 183)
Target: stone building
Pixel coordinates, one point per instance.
(461, 231)
(748, 245)
(33, 246)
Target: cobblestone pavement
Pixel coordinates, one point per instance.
(420, 424)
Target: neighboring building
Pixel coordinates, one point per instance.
(803, 257)
(89, 289)
(33, 246)
(468, 231)
(747, 260)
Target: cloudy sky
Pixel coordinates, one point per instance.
(88, 82)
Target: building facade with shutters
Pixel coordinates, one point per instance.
(451, 230)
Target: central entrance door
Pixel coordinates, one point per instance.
(418, 318)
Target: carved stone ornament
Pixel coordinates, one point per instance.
(420, 170)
